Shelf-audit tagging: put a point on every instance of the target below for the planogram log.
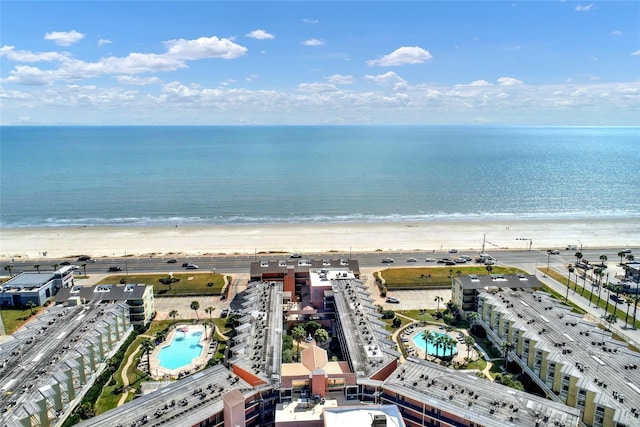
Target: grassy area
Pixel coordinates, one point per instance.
(14, 318)
(437, 277)
(189, 283)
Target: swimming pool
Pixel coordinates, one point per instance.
(184, 347)
(419, 341)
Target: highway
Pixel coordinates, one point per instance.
(230, 264)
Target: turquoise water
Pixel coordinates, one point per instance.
(419, 341)
(183, 349)
(154, 175)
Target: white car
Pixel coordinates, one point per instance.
(430, 260)
(412, 260)
(191, 267)
(387, 260)
(453, 251)
(393, 300)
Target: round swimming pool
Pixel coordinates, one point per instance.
(440, 351)
(184, 347)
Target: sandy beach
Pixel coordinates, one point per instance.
(60, 242)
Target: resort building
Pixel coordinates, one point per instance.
(428, 394)
(465, 289)
(34, 286)
(54, 359)
(570, 359)
(589, 378)
(139, 299)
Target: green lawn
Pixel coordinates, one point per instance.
(190, 283)
(437, 277)
(14, 318)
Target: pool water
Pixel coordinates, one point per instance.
(419, 341)
(184, 347)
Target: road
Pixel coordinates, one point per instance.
(234, 264)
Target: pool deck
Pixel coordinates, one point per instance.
(415, 330)
(159, 372)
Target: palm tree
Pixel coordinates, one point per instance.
(173, 314)
(440, 342)
(450, 343)
(630, 258)
(321, 336)
(37, 267)
(621, 254)
(31, 305)
(427, 336)
(469, 342)
(8, 269)
(548, 259)
(635, 299)
(148, 347)
(578, 257)
(195, 305)
(55, 267)
(612, 318)
(84, 267)
(507, 347)
(599, 273)
(472, 317)
(209, 310)
(161, 336)
(603, 259)
(566, 298)
(298, 333)
(438, 299)
(489, 269)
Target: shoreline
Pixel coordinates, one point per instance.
(109, 241)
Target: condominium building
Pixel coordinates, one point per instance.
(569, 358)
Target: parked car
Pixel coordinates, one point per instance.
(296, 256)
(387, 260)
(114, 268)
(626, 251)
(224, 313)
(172, 261)
(393, 300)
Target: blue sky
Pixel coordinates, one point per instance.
(338, 62)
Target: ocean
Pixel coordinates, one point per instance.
(133, 176)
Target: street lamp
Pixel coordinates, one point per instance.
(548, 259)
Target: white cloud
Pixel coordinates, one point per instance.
(636, 53)
(313, 42)
(64, 38)
(480, 83)
(204, 47)
(316, 87)
(103, 42)
(616, 32)
(260, 35)
(585, 7)
(385, 79)
(138, 81)
(509, 81)
(11, 54)
(30, 76)
(402, 56)
(310, 21)
(340, 79)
